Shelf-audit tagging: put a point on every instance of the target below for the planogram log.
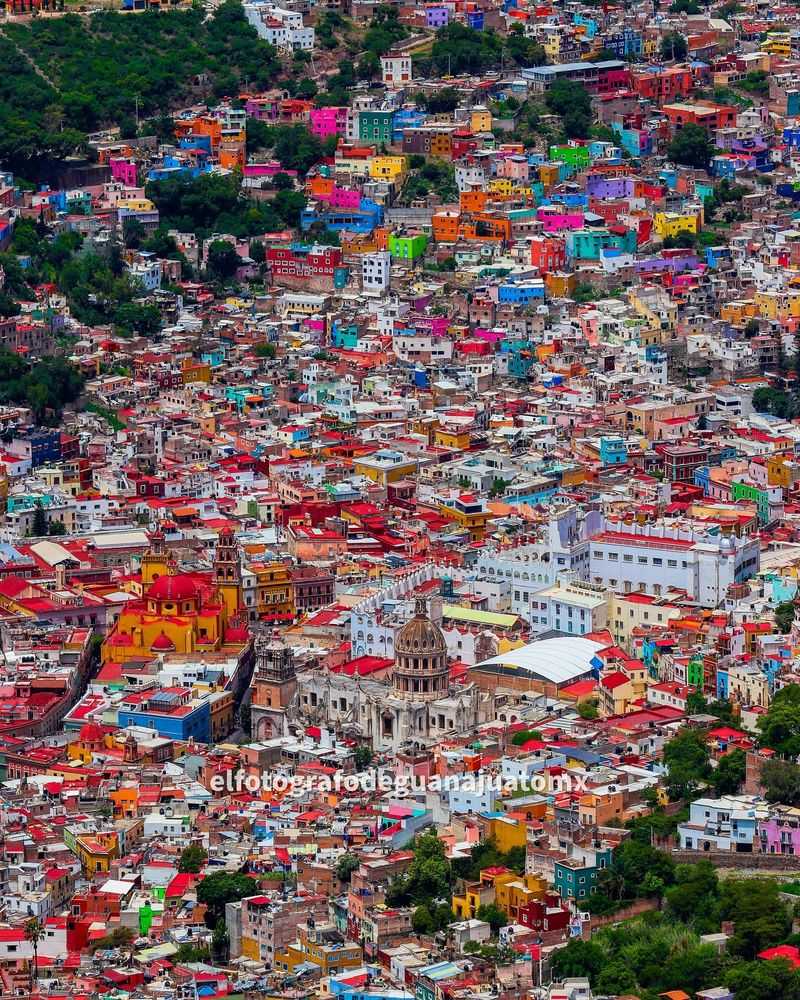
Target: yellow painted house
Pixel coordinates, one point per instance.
(311, 946)
(457, 440)
(506, 889)
(738, 311)
(508, 833)
(778, 305)
(480, 120)
(469, 513)
(94, 851)
(388, 168)
(668, 224)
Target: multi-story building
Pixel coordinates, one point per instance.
(658, 559)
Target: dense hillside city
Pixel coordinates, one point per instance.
(399, 500)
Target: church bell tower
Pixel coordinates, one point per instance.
(228, 572)
(273, 687)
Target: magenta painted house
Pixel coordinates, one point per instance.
(326, 122)
(556, 220)
(489, 336)
(123, 171)
(340, 197)
(269, 169)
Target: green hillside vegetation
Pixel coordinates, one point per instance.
(98, 67)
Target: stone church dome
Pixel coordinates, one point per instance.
(419, 635)
(420, 655)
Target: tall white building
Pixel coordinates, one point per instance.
(376, 272)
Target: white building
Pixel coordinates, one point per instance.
(376, 271)
(575, 608)
(396, 70)
(282, 28)
(656, 559)
(147, 273)
(562, 550)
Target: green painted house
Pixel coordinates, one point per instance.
(375, 126)
(410, 247)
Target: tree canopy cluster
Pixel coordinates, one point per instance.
(46, 386)
(691, 147)
(221, 888)
(662, 951)
(780, 725)
(212, 203)
(100, 66)
(459, 49)
(571, 100)
(488, 855)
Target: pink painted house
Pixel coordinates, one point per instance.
(123, 171)
(326, 122)
(514, 167)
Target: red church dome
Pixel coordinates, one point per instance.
(90, 733)
(162, 643)
(173, 588)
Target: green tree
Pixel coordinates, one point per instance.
(143, 319)
(761, 919)
(729, 775)
(688, 763)
(674, 46)
(133, 233)
(780, 724)
(188, 952)
(220, 888)
(691, 147)
(525, 736)
(571, 100)
(491, 914)
(459, 49)
(695, 893)
(34, 932)
(120, 937)
(220, 941)
(223, 260)
(774, 401)
(616, 978)
(39, 527)
(587, 709)
(579, 958)
(265, 351)
(345, 867)
(784, 616)
(421, 920)
(631, 865)
(192, 859)
(442, 102)
(362, 757)
(780, 780)
(763, 980)
(428, 875)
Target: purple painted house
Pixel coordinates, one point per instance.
(437, 17)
